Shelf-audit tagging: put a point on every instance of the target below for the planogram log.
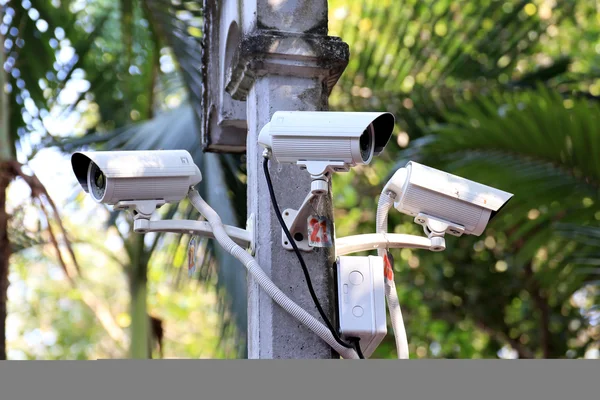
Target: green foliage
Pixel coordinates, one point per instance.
(59, 39)
(500, 92)
(124, 74)
(48, 320)
(418, 58)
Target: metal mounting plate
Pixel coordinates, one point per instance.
(437, 226)
(289, 215)
(142, 208)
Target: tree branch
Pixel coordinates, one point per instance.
(100, 310)
(544, 309)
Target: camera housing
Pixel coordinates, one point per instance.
(134, 177)
(324, 141)
(443, 201)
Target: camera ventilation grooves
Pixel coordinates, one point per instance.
(321, 148)
(149, 188)
(463, 213)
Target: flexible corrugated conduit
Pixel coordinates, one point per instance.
(263, 280)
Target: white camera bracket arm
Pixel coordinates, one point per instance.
(143, 210)
(434, 228)
(374, 241)
(242, 237)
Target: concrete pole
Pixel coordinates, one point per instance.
(290, 66)
(272, 333)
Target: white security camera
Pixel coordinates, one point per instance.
(323, 141)
(142, 180)
(442, 202)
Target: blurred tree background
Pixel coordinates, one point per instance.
(504, 92)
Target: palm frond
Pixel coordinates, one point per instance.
(537, 125)
(38, 32)
(417, 59)
(535, 144)
(180, 24)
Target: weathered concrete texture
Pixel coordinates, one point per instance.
(284, 53)
(223, 119)
(238, 36)
(272, 333)
(293, 16)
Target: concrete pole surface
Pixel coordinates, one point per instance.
(272, 332)
(284, 61)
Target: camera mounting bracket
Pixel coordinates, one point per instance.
(297, 220)
(319, 169)
(437, 227)
(142, 209)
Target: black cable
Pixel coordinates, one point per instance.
(299, 255)
(356, 343)
(390, 259)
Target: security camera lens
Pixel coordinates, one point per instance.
(98, 181)
(366, 142)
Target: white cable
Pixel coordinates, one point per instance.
(263, 280)
(391, 295)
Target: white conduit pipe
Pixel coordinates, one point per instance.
(391, 295)
(263, 280)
